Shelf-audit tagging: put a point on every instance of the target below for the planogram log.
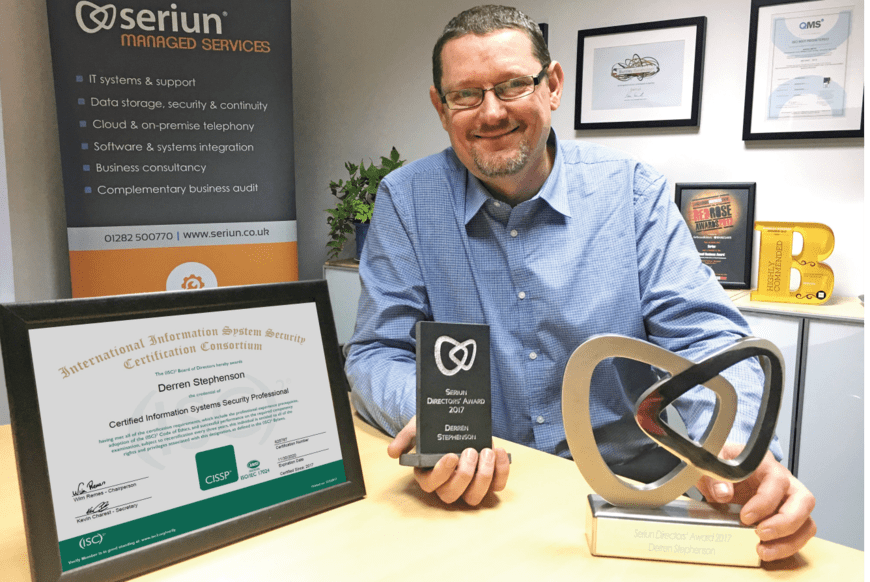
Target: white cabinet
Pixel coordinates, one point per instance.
(821, 423)
(830, 451)
(784, 333)
(342, 278)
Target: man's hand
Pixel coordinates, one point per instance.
(470, 476)
(773, 499)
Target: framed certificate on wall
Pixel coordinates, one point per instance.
(640, 75)
(154, 427)
(805, 74)
(721, 218)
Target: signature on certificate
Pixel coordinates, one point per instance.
(83, 488)
(98, 508)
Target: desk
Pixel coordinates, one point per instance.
(531, 531)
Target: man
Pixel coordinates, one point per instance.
(548, 243)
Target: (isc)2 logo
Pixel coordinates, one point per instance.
(94, 540)
(468, 349)
(102, 17)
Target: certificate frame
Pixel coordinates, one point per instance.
(727, 250)
(663, 91)
(824, 98)
(30, 444)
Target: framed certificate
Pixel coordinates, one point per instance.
(640, 75)
(151, 428)
(721, 218)
(805, 75)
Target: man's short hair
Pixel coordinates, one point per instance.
(484, 20)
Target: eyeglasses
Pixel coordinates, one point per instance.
(506, 91)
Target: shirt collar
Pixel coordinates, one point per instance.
(553, 191)
(475, 196)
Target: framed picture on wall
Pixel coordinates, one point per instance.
(805, 75)
(721, 218)
(640, 75)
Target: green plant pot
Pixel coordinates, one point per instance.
(361, 229)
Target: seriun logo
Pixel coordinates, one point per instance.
(468, 349)
(103, 17)
(94, 540)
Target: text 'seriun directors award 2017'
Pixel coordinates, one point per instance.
(160, 426)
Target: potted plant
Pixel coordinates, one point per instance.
(356, 202)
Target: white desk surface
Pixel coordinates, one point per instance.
(534, 530)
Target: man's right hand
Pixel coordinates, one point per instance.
(469, 476)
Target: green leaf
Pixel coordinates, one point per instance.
(356, 197)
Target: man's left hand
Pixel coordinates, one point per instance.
(773, 500)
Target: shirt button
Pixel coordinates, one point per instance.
(533, 356)
(540, 420)
(521, 294)
(514, 233)
(497, 204)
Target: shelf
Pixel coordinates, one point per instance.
(349, 264)
(837, 308)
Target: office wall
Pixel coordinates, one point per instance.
(361, 73)
(7, 291)
(36, 205)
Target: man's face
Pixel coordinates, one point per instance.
(503, 143)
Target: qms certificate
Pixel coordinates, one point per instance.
(161, 426)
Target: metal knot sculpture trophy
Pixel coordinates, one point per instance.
(648, 521)
(454, 411)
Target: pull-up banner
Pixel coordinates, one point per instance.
(176, 140)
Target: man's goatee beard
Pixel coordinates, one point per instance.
(501, 168)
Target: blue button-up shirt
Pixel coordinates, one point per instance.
(600, 249)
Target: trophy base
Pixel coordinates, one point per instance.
(425, 461)
(684, 530)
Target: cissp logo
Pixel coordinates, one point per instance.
(99, 17)
(217, 478)
(216, 467)
(94, 540)
(812, 24)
